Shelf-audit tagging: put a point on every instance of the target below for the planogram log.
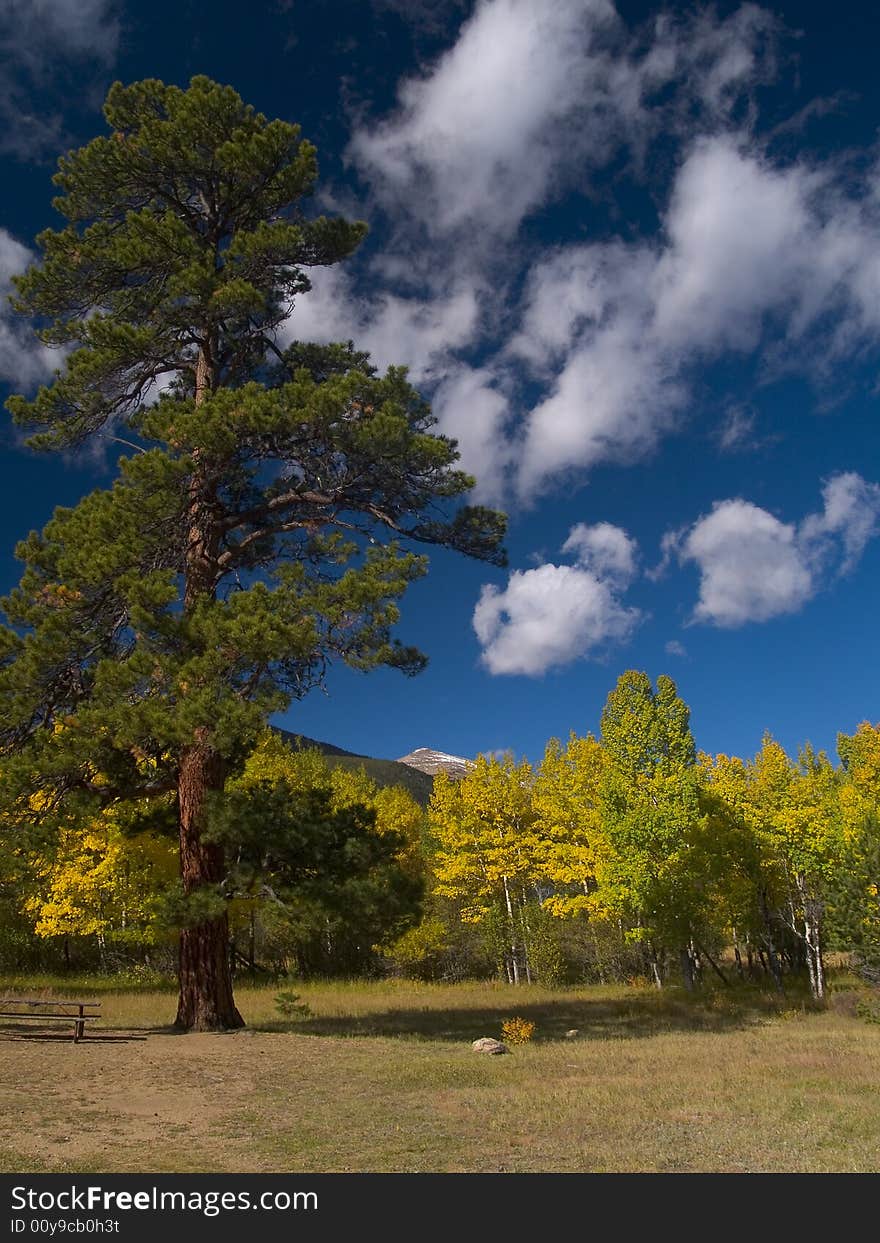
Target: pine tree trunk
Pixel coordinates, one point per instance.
(205, 1002)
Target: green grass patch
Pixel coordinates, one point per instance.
(381, 1076)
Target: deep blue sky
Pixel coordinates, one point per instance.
(635, 262)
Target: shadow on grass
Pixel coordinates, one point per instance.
(638, 1017)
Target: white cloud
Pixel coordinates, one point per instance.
(747, 248)
(848, 521)
(754, 567)
(420, 333)
(605, 549)
(555, 614)
(615, 395)
(473, 411)
(476, 138)
(735, 230)
(532, 97)
(674, 648)
(529, 101)
(595, 362)
(750, 565)
(23, 360)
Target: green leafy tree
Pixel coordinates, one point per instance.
(329, 876)
(655, 878)
(255, 532)
(333, 887)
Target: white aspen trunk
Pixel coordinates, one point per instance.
(811, 962)
(820, 966)
(811, 940)
(655, 966)
(512, 931)
(525, 940)
(696, 961)
(814, 950)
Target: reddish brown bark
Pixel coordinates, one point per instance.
(205, 1001)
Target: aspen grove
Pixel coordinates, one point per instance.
(627, 855)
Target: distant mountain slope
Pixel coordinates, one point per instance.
(426, 760)
(384, 772)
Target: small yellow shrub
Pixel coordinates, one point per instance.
(516, 1031)
(637, 981)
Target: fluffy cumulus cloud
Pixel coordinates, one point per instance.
(531, 97)
(473, 411)
(753, 566)
(605, 550)
(555, 614)
(23, 361)
(588, 353)
(747, 248)
(474, 141)
(527, 104)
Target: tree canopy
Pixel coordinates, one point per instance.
(261, 527)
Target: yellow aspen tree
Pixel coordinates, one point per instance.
(795, 812)
(98, 881)
(856, 889)
(747, 883)
(570, 844)
(483, 828)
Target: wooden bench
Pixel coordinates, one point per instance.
(76, 1012)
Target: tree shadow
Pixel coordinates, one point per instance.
(639, 1017)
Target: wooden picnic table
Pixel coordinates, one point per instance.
(38, 1008)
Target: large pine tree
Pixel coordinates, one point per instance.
(257, 531)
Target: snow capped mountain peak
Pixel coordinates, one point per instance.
(429, 761)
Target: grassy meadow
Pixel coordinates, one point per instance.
(380, 1076)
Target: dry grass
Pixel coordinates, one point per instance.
(382, 1077)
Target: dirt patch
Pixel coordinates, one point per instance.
(133, 1096)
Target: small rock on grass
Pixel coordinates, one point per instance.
(487, 1045)
(572, 1033)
